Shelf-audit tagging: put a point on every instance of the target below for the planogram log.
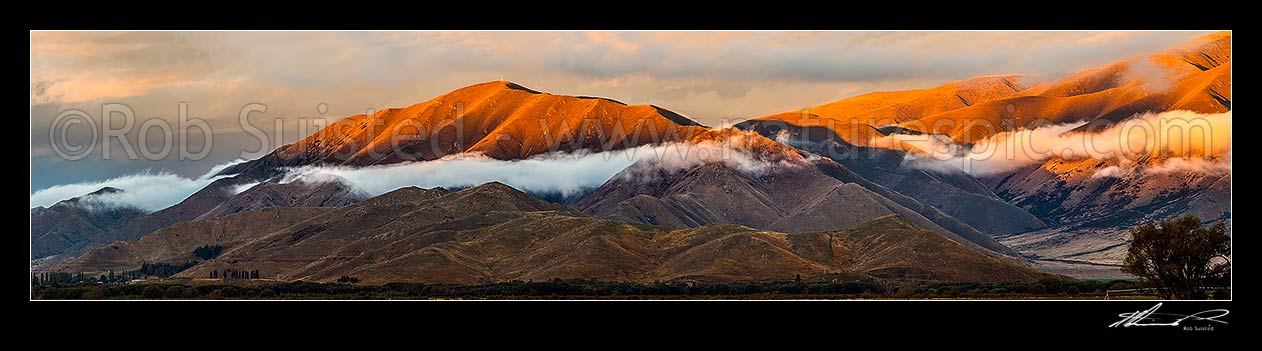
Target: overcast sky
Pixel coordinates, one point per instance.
(709, 76)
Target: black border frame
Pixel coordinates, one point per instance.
(972, 322)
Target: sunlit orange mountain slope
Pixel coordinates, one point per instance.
(856, 119)
(500, 119)
(1195, 76)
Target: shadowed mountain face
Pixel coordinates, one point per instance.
(76, 221)
(955, 194)
(293, 194)
(493, 232)
(176, 243)
(1056, 210)
(216, 199)
(792, 193)
(1092, 215)
(1069, 192)
(188, 209)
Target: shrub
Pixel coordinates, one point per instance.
(1121, 285)
(906, 290)
(164, 269)
(347, 279)
(95, 293)
(152, 292)
(207, 252)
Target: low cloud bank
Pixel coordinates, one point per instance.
(1182, 140)
(565, 174)
(146, 190)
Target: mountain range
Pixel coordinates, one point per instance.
(494, 232)
(1056, 211)
(807, 192)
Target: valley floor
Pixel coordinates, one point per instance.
(1082, 254)
(1080, 270)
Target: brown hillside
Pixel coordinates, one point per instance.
(175, 244)
(294, 194)
(493, 232)
(216, 199)
(73, 222)
(891, 247)
(188, 209)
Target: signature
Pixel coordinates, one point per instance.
(1151, 318)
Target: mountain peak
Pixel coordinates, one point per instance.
(497, 85)
(412, 193)
(105, 190)
(999, 82)
(494, 186)
(102, 191)
(515, 86)
(499, 119)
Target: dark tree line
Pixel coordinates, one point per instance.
(347, 279)
(161, 270)
(207, 252)
(235, 274)
(67, 278)
(57, 278)
(164, 270)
